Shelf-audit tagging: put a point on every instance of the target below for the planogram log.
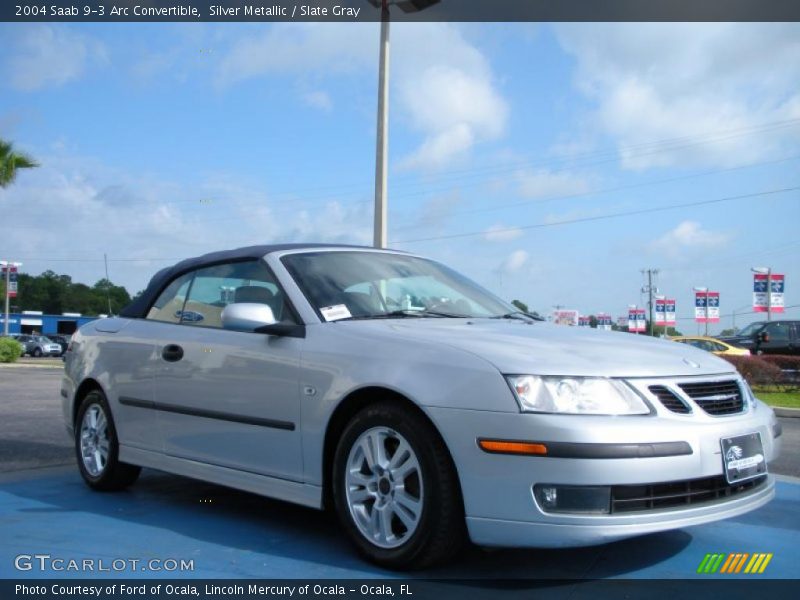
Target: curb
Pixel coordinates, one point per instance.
(787, 412)
(30, 366)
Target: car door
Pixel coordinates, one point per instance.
(778, 333)
(224, 397)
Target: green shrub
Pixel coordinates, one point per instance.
(10, 350)
(755, 370)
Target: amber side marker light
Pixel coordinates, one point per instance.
(510, 447)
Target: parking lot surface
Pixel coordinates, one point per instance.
(45, 508)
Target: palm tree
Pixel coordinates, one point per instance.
(10, 161)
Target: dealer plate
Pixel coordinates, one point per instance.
(743, 457)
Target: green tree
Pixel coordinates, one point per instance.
(11, 162)
(520, 305)
(52, 293)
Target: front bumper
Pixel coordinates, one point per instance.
(498, 489)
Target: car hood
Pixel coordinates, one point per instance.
(517, 347)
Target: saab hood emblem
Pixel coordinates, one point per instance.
(691, 363)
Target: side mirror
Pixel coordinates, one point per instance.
(247, 316)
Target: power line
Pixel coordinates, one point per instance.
(600, 217)
(537, 201)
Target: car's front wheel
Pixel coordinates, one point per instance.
(395, 489)
(97, 446)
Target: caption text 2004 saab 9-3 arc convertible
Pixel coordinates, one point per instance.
(423, 409)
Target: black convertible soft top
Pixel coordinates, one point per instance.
(138, 308)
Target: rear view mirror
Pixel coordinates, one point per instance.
(247, 316)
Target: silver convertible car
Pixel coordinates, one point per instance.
(419, 407)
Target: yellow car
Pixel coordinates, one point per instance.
(712, 345)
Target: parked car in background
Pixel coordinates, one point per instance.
(420, 407)
(38, 345)
(710, 344)
(61, 341)
(768, 337)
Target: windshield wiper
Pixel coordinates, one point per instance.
(406, 313)
(518, 314)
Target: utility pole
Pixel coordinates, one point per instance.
(651, 290)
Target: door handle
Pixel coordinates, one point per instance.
(172, 353)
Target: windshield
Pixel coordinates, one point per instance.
(345, 285)
(751, 329)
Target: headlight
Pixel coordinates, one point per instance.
(751, 397)
(575, 395)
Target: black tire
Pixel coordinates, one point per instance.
(114, 475)
(37, 352)
(441, 529)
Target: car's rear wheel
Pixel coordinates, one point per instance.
(97, 446)
(37, 352)
(395, 489)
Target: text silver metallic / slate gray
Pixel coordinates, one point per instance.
(426, 410)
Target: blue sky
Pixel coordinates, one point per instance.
(163, 141)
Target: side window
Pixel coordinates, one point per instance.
(778, 332)
(169, 304)
(216, 287)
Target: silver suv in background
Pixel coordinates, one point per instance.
(38, 345)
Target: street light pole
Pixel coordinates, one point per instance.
(769, 293)
(382, 142)
(382, 145)
(8, 265)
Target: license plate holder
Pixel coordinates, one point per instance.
(743, 457)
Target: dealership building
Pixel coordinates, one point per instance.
(33, 321)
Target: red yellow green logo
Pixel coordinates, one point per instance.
(735, 562)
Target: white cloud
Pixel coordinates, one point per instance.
(296, 48)
(319, 100)
(156, 222)
(542, 183)
(447, 89)
(41, 56)
(689, 235)
(441, 84)
(665, 81)
(514, 261)
(501, 233)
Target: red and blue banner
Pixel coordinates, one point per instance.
(776, 300)
(706, 307)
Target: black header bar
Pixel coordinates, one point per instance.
(365, 10)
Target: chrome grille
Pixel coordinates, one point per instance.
(675, 494)
(716, 397)
(669, 399)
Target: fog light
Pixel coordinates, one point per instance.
(548, 497)
(573, 499)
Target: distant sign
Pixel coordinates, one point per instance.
(584, 321)
(565, 317)
(637, 321)
(776, 300)
(604, 321)
(12, 280)
(706, 307)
